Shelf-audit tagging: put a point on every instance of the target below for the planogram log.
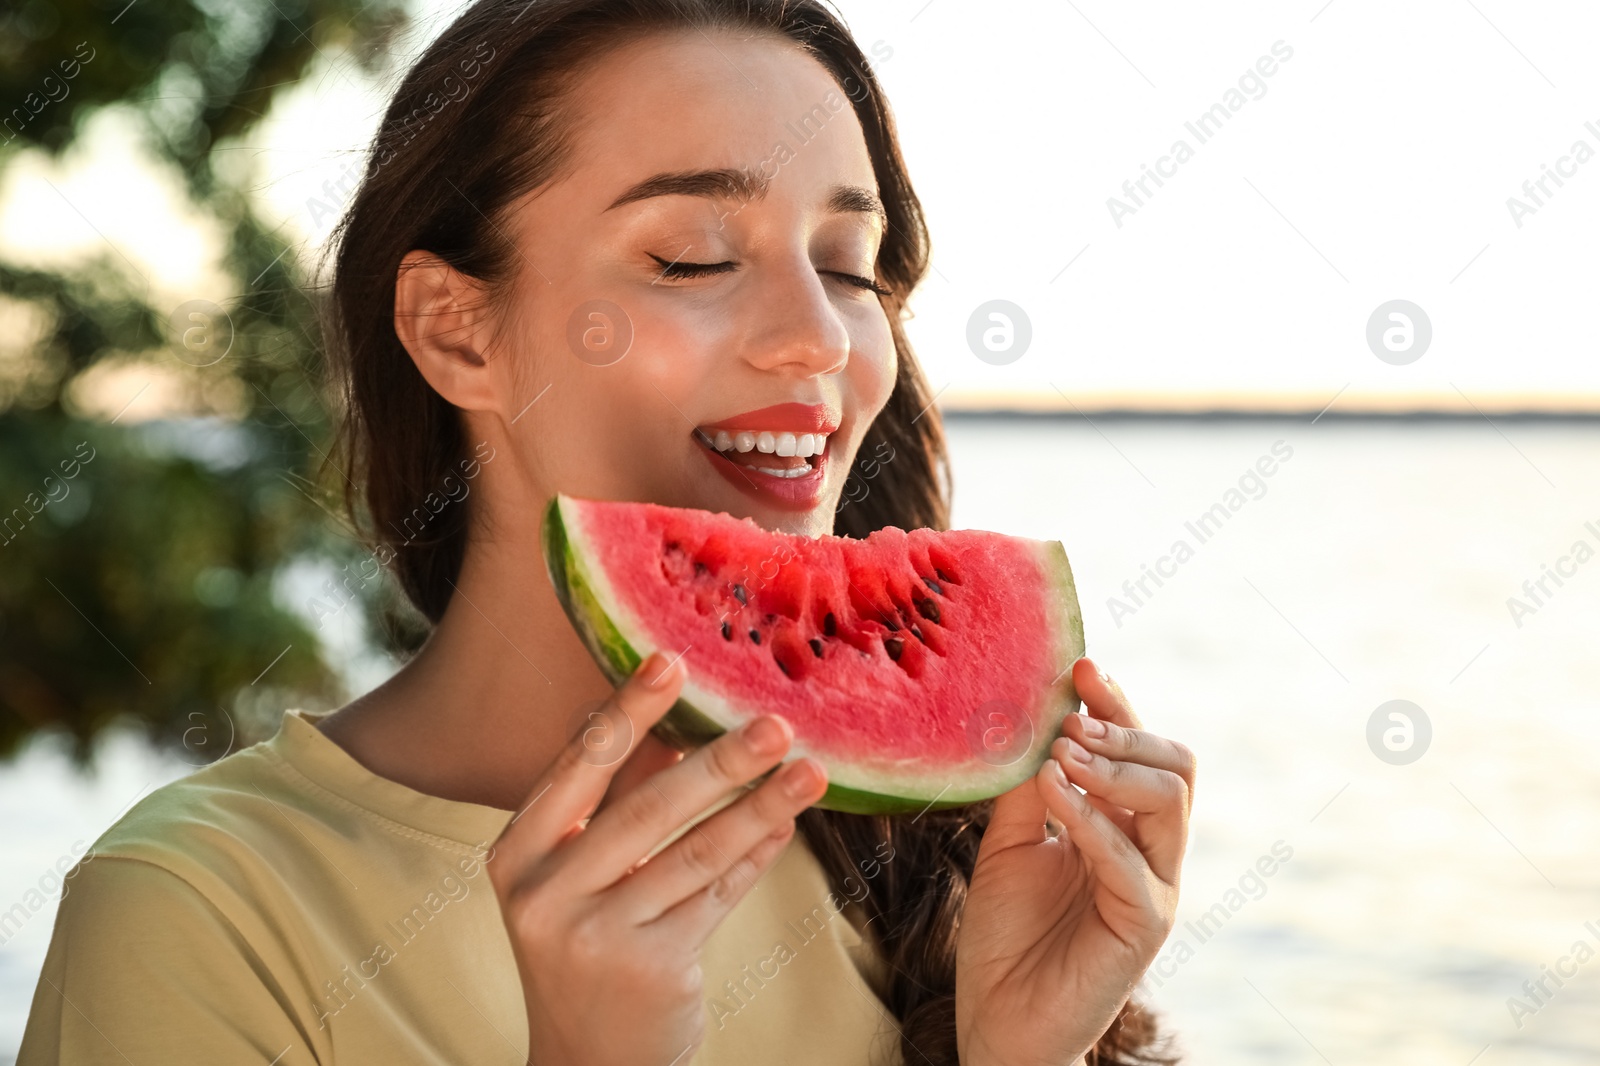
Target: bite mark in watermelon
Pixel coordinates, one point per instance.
(924, 669)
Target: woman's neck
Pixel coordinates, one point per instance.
(501, 684)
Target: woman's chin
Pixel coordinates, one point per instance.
(782, 516)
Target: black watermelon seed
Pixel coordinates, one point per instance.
(782, 667)
(701, 568)
(816, 647)
(941, 574)
(917, 633)
(740, 595)
(894, 646)
(830, 625)
(727, 631)
(890, 623)
(934, 585)
(755, 636)
(928, 609)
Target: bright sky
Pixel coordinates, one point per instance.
(1373, 164)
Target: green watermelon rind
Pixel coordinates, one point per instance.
(1070, 645)
(686, 726)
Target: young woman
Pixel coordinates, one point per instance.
(595, 238)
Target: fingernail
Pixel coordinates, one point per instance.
(1079, 752)
(764, 735)
(1058, 776)
(654, 670)
(1092, 726)
(799, 780)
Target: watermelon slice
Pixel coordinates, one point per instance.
(923, 669)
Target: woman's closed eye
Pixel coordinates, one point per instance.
(679, 269)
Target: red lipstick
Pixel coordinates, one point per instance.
(783, 418)
(798, 492)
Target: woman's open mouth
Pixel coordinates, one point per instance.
(785, 455)
(778, 454)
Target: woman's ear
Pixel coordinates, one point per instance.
(442, 317)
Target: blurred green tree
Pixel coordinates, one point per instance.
(141, 562)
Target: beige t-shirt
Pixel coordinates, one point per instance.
(285, 905)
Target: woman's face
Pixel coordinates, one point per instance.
(690, 308)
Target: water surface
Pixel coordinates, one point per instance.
(1373, 564)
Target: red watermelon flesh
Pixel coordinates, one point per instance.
(923, 668)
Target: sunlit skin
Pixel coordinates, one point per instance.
(1055, 933)
(780, 328)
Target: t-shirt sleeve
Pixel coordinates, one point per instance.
(142, 968)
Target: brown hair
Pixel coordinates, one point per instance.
(445, 164)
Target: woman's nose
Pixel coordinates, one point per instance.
(794, 326)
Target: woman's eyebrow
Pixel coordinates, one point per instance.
(744, 185)
(853, 198)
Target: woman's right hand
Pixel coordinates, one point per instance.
(607, 944)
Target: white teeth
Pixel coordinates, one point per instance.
(769, 442)
(799, 471)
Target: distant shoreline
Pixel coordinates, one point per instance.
(1223, 414)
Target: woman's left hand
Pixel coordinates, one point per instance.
(1057, 930)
